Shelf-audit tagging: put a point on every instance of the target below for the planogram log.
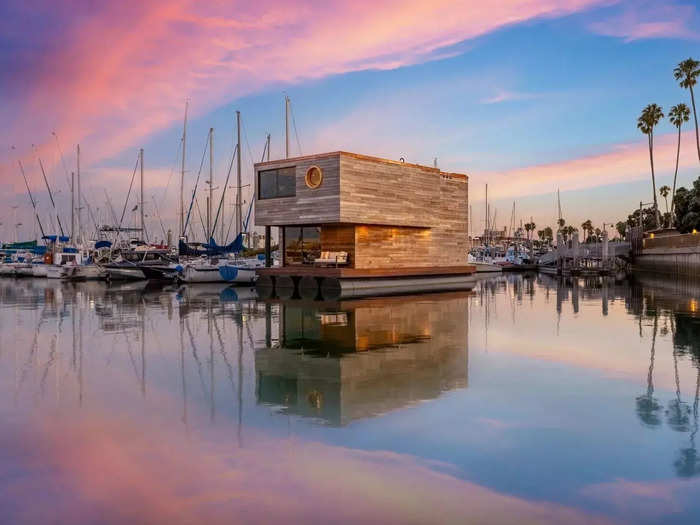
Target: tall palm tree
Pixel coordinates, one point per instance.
(532, 226)
(679, 114)
(687, 73)
(621, 228)
(587, 228)
(548, 234)
(647, 121)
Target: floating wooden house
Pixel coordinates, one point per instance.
(357, 225)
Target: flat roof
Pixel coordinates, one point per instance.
(430, 169)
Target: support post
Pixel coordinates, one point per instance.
(268, 246)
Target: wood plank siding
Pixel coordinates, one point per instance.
(308, 206)
(384, 213)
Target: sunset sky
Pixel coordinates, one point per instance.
(527, 95)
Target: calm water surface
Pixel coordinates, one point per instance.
(528, 400)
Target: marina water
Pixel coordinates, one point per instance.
(529, 399)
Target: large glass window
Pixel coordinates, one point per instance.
(302, 244)
(280, 182)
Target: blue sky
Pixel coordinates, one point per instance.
(548, 101)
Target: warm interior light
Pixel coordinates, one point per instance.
(651, 235)
(695, 232)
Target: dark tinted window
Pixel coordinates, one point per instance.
(267, 184)
(279, 182)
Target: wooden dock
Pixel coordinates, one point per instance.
(574, 258)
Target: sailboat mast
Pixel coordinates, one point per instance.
(210, 231)
(31, 198)
(79, 200)
(223, 236)
(559, 204)
(486, 212)
(239, 220)
(72, 206)
(143, 217)
(53, 203)
(182, 174)
(267, 148)
(286, 127)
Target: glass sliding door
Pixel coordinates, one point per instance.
(302, 244)
(311, 243)
(292, 246)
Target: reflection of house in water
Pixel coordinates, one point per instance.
(354, 359)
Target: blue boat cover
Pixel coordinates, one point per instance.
(228, 273)
(102, 244)
(234, 247)
(211, 248)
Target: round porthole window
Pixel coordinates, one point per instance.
(314, 177)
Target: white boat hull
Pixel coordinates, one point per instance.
(23, 270)
(201, 274)
(39, 270)
(54, 271)
(482, 267)
(89, 272)
(7, 270)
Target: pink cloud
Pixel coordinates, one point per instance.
(619, 163)
(504, 95)
(121, 71)
(124, 469)
(650, 499)
(644, 20)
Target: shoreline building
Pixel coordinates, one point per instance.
(349, 222)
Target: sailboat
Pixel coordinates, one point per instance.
(214, 263)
